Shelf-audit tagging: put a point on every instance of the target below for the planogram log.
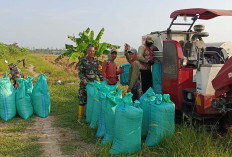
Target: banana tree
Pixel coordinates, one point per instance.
(86, 38)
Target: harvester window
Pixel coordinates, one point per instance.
(187, 49)
(170, 60)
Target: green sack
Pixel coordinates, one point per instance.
(96, 104)
(112, 99)
(157, 77)
(101, 123)
(112, 88)
(124, 77)
(5, 75)
(29, 85)
(41, 97)
(90, 101)
(145, 100)
(127, 130)
(103, 92)
(162, 120)
(7, 99)
(23, 100)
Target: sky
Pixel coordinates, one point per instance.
(47, 23)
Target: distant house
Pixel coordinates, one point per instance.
(56, 52)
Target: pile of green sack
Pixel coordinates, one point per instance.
(158, 117)
(123, 123)
(118, 120)
(25, 100)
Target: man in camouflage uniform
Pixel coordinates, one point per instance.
(88, 68)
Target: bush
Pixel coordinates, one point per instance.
(12, 50)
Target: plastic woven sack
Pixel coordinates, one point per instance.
(145, 94)
(90, 101)
(7, 99)
(41, 97)
(102, 97)
(101, 124)
(162, 120)
(29, 85)
(112, 88)
(157, 77)
(124, 76)
(145, 100)
(5, 75)
(96, 103)
(112, 100)
(23, 100)
(127, 130)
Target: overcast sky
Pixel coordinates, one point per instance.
(46, 23)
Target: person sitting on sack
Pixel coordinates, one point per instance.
(88, 70)
(134, 85)
(109, 68)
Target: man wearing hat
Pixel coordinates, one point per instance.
(146, 59)
(109, 68)
(134, 73)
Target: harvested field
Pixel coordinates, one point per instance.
(70, 67)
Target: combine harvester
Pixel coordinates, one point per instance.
(198, 78)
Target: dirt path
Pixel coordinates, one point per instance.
(31, 70)
(51, 137)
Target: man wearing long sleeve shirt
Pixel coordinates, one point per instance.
(146, 60)
(134, 73)
(109, 68)
(88, 70)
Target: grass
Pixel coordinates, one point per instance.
(52, 72)
(4, 66)
(14, 145)
(33, 138)
(191, 142)
(16, 124)
(69, 148)
(186, 141)
(12, 141)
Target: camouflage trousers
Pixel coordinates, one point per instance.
(82, 94)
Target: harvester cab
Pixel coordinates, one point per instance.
(198, 78)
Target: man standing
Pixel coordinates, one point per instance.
(134, 73)
(146, 59)
(88, 69)
(109, 68)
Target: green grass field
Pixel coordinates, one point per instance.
(186, 141)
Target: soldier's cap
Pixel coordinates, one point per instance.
(149, 39)
(132, 50)
(114, 51)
